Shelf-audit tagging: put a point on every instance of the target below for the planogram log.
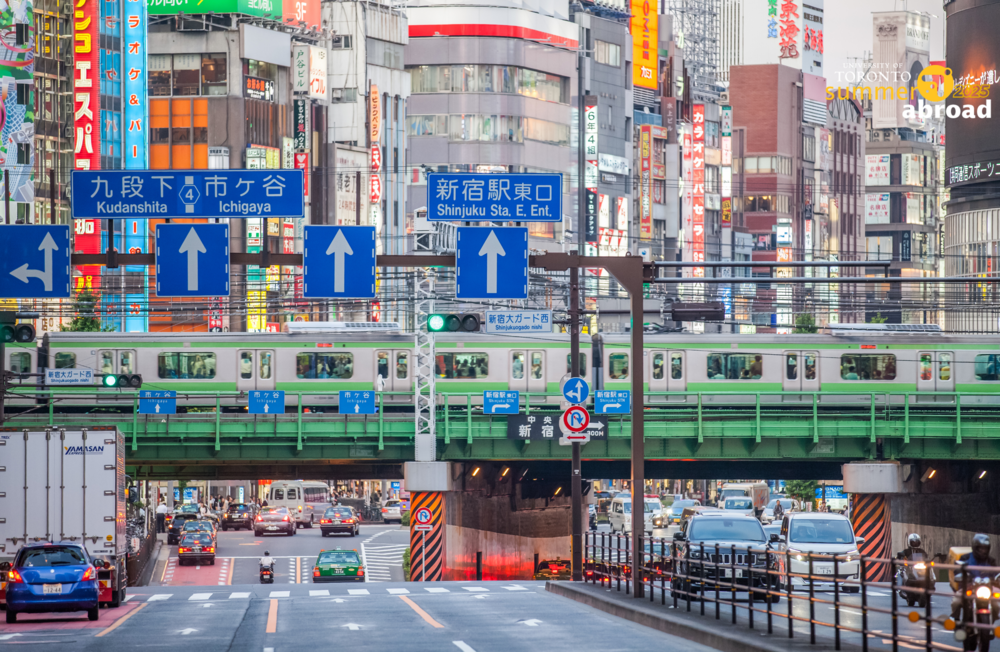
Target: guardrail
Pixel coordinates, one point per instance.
(751, 581)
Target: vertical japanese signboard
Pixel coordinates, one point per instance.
(375, 125)
(300, 113)
(646, 183)
(86, 95)
(645, 37)
(726, 171)
(698, 187)
(135, 151)
(590, 170)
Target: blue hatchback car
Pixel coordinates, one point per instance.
(52, 577)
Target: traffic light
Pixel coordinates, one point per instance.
(453, 323)
(122, 381)
(12, 332)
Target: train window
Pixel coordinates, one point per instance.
(65, 361)
(402, 365)
(383, 364)
(944, 366)
(810, 366)
(186, 365)
(618, 366)
(676, 366)
(735, 366)
(517, 365)
(536, 365)
(988, 366)
(325, 365)
(868, 367)
(792, 366)
(925, 366)
(658, 360)
(126, 362)
(464, 366)
(20, 363)
(265, 365)
(583, 363)
(106, 362)
(246, 364)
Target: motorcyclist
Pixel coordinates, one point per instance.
(913, 546)
(980, 556)
(267, 561)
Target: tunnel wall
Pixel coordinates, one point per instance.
(944, 520)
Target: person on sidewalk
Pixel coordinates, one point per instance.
(161, 517)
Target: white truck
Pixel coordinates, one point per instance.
(66, 485)
(758, 492)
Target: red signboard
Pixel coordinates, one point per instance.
(376, 194)
(301, 13)
(302, 163)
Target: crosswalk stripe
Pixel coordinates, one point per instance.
(128, 597)
(437, 590)
(160, 596)
(476, 589)
(280, 594)
(515, 587)
(200, 596)
(233, 596)
(319, 593)
(358, 591)
(398, 591)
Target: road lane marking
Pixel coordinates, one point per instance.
(229, 578)
(515, 587)
(358, 591)
(121, 620)
(423, 614)
(234, 596)
(279, 594)
(272, 615)
(461, 645)
(318, 593)
(200, 596)
(398, 591)
(160, 596)
(128, 597)
(476, 589)
(437, 590)
(298, 570)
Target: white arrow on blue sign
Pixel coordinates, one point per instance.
(491, 263)
(157, 402)
(34, 261)
(503, 402)
(613, 401)
(576, 391)
(192, 260)
(338, 262)
(357, 402)
(267, 402)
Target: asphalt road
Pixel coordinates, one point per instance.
(465, 616)
(238, 552)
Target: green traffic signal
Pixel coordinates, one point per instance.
(133, 381)
(110, 380)
(465, 322)
(435, 323)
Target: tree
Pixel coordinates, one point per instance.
(86, 319)
(805, 323)
(878, 319)
(802, 490)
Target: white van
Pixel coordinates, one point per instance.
(306, 500)
(620, 513)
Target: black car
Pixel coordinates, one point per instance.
(273, 520)
(741, 557)
(239, 516)
(196, 548)
(339, 519)
(177, 524)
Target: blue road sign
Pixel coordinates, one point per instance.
(192, 260)
(269, 402)
(157, 402)
(501, 402)
(145, 194)
(338, 261)
(613, 401)
(395, 485)
(34, 261)
(576, 391)
(357, 402)
(492, 263)
(494, 197)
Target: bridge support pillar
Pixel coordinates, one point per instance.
(427, 483)
(870, 485)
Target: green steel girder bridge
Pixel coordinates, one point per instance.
(689, 426)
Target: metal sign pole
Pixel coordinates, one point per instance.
(576, 549)
(423, 558)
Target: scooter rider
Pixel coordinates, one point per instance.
(267, 561)
(913, 546)
(980, 556)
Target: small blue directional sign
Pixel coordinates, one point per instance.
(576, 391)
(145, 194)
(157, 402)
(34, 261)
(613, 401)
(357, 402)
(192, 260)
(501, 402)
(268, 402)
(69, 376)
(338, 261)
(494, 197)
(492, 263)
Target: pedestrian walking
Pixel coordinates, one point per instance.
(161, 517)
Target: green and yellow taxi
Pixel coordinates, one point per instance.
(338, 566)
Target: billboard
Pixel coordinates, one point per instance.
(259, 8)
(86, 95)
(645, 184)
(645, 39)
(698, 187)
(17, 124)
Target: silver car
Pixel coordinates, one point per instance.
(739, 505)
(392, 511)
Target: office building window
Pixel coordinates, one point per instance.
(609, 54)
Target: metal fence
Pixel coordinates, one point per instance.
(793, 593)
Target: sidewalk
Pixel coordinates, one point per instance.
(162, 554)
(719, 634)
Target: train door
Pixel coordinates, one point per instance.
(667, 374)
(255, 369)
(527, 371)
(394, 368)
(935, 371)
(115, 362)
(800, 373)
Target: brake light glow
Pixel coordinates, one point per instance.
(324, 520)
(315, 572)
(260, 518)
(210, 549)
(349, 520)
(384, 510)
(13, 577)
(180, 550)
(361, 570)
(284, 518)
(89, 574)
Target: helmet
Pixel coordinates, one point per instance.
(267, 553)
(913, 540)
(981, 547)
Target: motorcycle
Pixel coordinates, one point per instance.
(267, 573)
(912, 575)
(977, 609)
